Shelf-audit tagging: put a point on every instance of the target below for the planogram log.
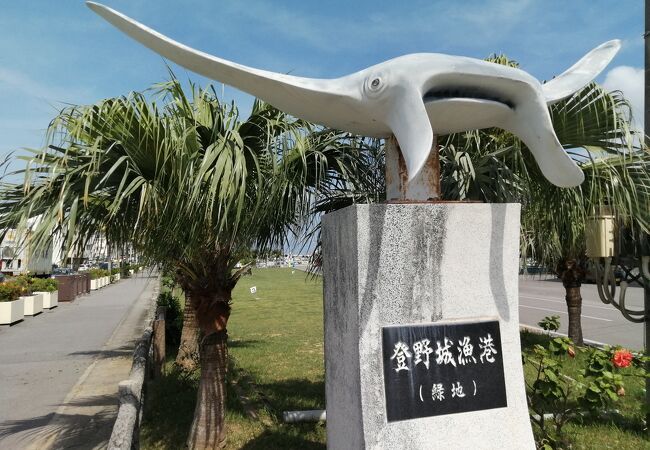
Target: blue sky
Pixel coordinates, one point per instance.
(53, 53)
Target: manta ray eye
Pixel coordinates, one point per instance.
(374, 85)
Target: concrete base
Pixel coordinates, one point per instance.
(394, 264)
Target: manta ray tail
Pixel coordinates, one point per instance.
(581, 73)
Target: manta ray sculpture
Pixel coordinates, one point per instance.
(412, 97)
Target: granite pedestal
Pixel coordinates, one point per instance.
(395, 264)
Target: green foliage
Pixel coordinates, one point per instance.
(44, 284)
(551, 391)
(167, 282)
(551, 323)
(10, 291)
(182, 179)
(98, 273)
(173, 317)
(25, 283)
(29, 285)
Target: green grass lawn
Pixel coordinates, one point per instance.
(276, 350)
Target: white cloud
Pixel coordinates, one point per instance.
(32, 87)
(630, 81)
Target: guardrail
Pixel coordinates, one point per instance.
(126, 430)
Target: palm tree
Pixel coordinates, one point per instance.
(191, 187)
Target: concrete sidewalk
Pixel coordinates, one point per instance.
(60, 372)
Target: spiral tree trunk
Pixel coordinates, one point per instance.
(572, 273)
(574, 305)
(208, 428)
(188, 349)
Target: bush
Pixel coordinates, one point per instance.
(25, 283)
(10, 291)
(167, 282)
(98, 273)
(44, 284)
(173, 317)
(597, 387)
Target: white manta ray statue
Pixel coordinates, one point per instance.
(412, 97)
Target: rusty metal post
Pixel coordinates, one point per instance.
(159, 342)
(424, 187)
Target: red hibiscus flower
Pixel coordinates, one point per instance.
(622, 358)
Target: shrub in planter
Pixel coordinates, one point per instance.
(33, 302)
(96, 273)
(10, 291)
(49, 289)
(12, 307)
(44, 285)
(25, 282)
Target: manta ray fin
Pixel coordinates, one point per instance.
(269, 86)
(581, 73)
(409, 122)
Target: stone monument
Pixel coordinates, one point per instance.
(421, 297)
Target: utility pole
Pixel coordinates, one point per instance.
(646, 140)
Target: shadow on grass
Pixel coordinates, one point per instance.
(292, 395)
(280, 439)
(170, 401)
(169, 409)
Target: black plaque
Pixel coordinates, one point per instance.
(436, 369)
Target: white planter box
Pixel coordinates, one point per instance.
(107, 281)
(94, 285)
(11, 312)
(50, 299)
(117, 277)
(33, 304)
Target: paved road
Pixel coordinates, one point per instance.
(600, 322)
(47, 362)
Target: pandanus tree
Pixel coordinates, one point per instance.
(190, 186)
(494, 166)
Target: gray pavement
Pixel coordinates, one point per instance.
(600, 322)
(60, 369)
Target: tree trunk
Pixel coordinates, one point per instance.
(208, 428)
(574, 305)
(571, 271)
(188, 349)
